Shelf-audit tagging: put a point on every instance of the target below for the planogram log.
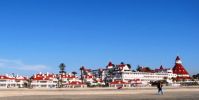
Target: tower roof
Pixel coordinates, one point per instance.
(161, 67)
(179, 68)
(110, 64)
(178, 60)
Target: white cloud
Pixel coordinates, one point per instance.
(19, 65)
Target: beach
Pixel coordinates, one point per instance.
(100, 94)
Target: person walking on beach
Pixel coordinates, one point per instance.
(159, 86)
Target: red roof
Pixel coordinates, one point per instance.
(41, 78)
(179, 69)
(110, 64)
(52, 76)
(6, 77)
(21, 78)
(12, 78)
(88, 76)
(44, 76)
(160, 69)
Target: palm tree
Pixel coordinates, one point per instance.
(62, 71)
(29, 82)
(74, 73)
(196, 76)
(62, 68)
(58, 81)
(100, 73)
(81, 70)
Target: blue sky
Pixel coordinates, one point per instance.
(38, 35)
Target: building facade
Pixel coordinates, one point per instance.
(113, 75)
(62, 80)
(10, 81)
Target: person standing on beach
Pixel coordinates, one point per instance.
(159, 86)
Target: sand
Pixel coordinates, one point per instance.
(100, 94)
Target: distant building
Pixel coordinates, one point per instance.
(125, 74)
(120, 75)
(44, 81)
(61, 80)
(10, 81)
(92, 77)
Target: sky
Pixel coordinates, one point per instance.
(38, 35)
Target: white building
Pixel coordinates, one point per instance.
(9, 81)
(44, 81)
(55, 80)
(124, 74)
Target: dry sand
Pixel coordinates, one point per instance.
(99, 94)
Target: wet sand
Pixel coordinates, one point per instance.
(99, 94)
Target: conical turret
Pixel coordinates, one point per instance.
(180, 70)
(178, 61)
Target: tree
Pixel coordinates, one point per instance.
(196, 76)
(100, 73)
(62, 71)
(29, 82)
(62, 68)
(60, 81)
(13, 75)
(81, 70)
(74, 73)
